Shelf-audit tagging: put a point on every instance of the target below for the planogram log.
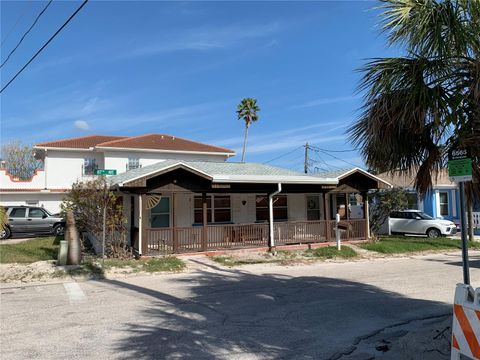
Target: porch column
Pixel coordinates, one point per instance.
(347, 202)
(204, 222)
(142, 238)
(366, 214)
(174, 224)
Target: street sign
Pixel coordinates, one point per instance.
(459, 165)
(104, 172)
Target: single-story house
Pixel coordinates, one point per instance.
(187, 206)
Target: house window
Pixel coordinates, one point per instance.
(89, 166)
(412, 201)
(218, 209)
(133, 163)
(160, 214)
(443, 197)
(280, 209)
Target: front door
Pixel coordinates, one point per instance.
(314, 208)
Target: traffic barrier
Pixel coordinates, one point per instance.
(466, 323)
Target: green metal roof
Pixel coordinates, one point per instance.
(225, 172)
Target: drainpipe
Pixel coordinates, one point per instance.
(271, 241)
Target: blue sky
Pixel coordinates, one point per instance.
(180, 68)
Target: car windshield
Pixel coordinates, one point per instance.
(424, 216)
(48, 212)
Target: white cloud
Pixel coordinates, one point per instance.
(81, 124)
(202, 39)
(326, 101)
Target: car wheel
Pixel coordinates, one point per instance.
(58, 230)
(5, 233)
(433, 233)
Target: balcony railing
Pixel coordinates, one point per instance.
(218, 237)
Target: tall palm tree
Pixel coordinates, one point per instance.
(247, 110)
(419, 106)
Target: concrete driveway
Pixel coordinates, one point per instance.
(318, 311)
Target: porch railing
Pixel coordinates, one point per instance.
(231, 236)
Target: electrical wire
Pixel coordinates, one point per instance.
(283, 155)
(26, 32)
(45, 45)
(28, 5)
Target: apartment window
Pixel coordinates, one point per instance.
(133, 163)
(443, 196)
(89, 166)
(280, 209)
(412, 201)
(160, 214)
(218, 209)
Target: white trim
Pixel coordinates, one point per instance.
(166, 151)
(63, 148)
(437, 203)
(273, 179)
(454, 203)
(448, 204)
(39, 191)
(366, 173)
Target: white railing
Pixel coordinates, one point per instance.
(476, 220)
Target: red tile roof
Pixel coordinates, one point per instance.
(162, 142)
(84, 142)
(147, 142)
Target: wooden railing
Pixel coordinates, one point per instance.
(230, 236)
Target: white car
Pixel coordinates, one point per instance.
(417, 222)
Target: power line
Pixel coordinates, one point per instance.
(335, 157)
(280, 156)
(20, 17)
(26, 32)
(335, 151)
(45, 45)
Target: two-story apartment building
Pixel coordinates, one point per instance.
(69, 160)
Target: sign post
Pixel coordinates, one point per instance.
(460, 170)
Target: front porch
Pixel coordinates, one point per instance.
(159, 241)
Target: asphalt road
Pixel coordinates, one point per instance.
(256, 312)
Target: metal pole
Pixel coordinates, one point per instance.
(466, 270)
(337, 232)
(305, 163)
(104, 230)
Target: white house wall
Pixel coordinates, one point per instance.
(63, 168)
(297, 207)
(51, 202)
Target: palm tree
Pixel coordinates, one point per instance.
(247, 110)
(419, 106)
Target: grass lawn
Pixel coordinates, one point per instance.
(331, 252)
(406, 244)
(169, 263)
(39, 249)
(287, 257)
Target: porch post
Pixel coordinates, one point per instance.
(142, 242)
(366, 214)
(347, 202)
(174, 224)
(204, 222)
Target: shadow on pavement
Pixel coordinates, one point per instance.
(474, 261)
(236, 314)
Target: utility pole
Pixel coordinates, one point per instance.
(305, 164)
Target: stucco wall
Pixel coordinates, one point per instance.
(49, 201)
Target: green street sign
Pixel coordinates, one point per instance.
(104, 172)
(459, 165)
